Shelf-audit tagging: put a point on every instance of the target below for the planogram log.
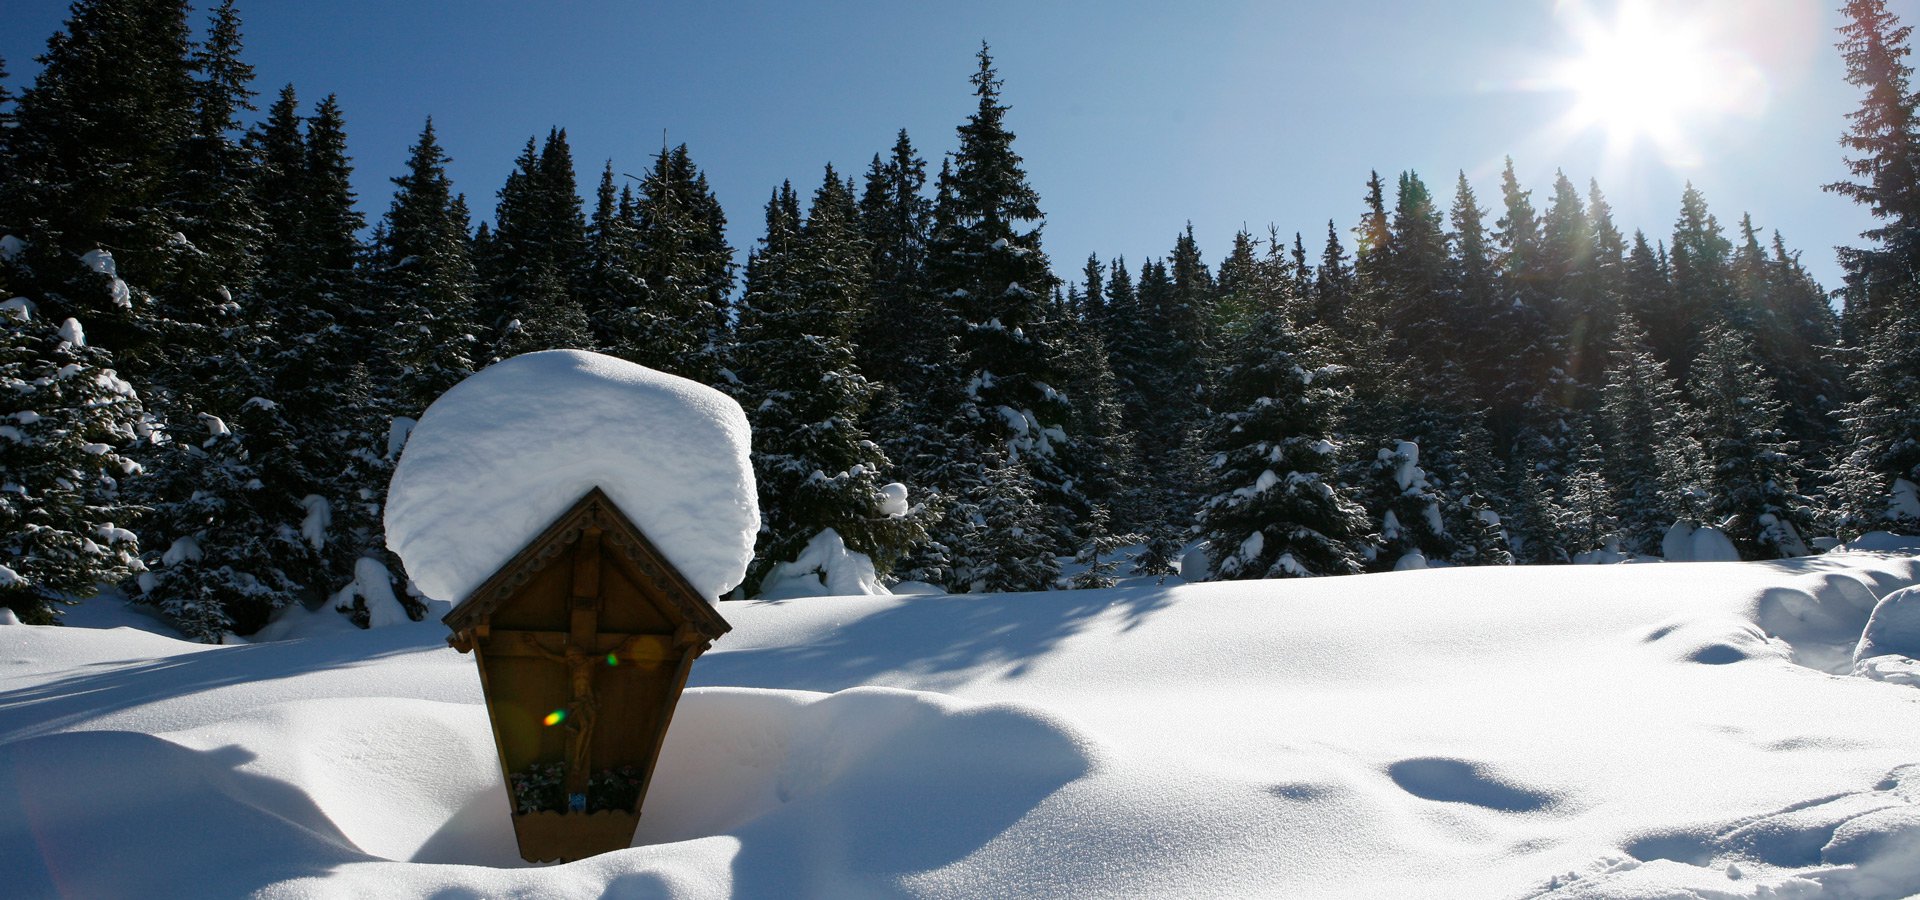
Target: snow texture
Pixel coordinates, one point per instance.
(502, 454)
(1905, 504)
(1893, 628)
(1687, 543)
(824, 568)
(1604, 734)
(894, 499)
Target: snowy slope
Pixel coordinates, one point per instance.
(1620, 731)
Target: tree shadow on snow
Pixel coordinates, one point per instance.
(115, 686)
(123, 814)
(936, 641)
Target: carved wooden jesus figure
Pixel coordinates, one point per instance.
(583, 707)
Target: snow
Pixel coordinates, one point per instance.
(894, 502)
(184, 549)
(319, 517)
(1893, 627)
(101, 261)
(397, 433)
(824, 568)
(10, 578)
(372, 585)
(1685, 542)
(72, 333)
(1627, 731)
(502, 454)
(1905, 504)
(11, 247)
(19, 308)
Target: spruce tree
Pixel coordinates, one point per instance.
(1884, 138)
(1752, 491)
(985, 259)
(1875, 481)
(94, 159)
(1653, 462)
(423, 279)
(1273, 507)
(814, 465)
(1011, 547)
(679, 323)
(538, 255)
(69, 422)
(894, 334)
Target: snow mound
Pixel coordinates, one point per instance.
(1856, 844)
(1687, 543)
(366, 789)
(824, 568)
(1881, 542)
(502, 454)
(1893, 627)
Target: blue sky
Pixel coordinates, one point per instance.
(1133, 117)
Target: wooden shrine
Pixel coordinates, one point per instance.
(584, 641)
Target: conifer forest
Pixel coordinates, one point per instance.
(211, 355)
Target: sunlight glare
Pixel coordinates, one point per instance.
(1652, 73)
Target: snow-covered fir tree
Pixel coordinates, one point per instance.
(66, 421)
(680, 253)
(1272, 507)
(537, 255)
(1752, 492)
(986, 262)
(1653, 463)
(814, 465)
(1007, 546)
(1876, 479)
(421, 274)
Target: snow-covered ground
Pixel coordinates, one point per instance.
(1672, 730)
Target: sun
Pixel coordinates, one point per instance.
(1647, 75)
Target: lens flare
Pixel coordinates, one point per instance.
(1655, 74)
(613, 660)
(555, 717)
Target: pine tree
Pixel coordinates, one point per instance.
(538, 255)
(894, 334)
(1652, 460)
(1885, 137)
(1333, 287)
(1875, 482)
(70, 419)
(215, 205)
(1752, 492)
(1524, 413)
(985, 259)
(1273, 506)
(612, 277)
(1012, 546)
(679, 324)
(814, 465)
(1418, 285)
(1702, 286)
(423, 276)
(94, 158)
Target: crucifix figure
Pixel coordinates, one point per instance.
(582, 707)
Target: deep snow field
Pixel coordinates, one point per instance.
(1665, 730)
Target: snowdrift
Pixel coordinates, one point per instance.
(1677, 730)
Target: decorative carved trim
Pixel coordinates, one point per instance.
(594, 509)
